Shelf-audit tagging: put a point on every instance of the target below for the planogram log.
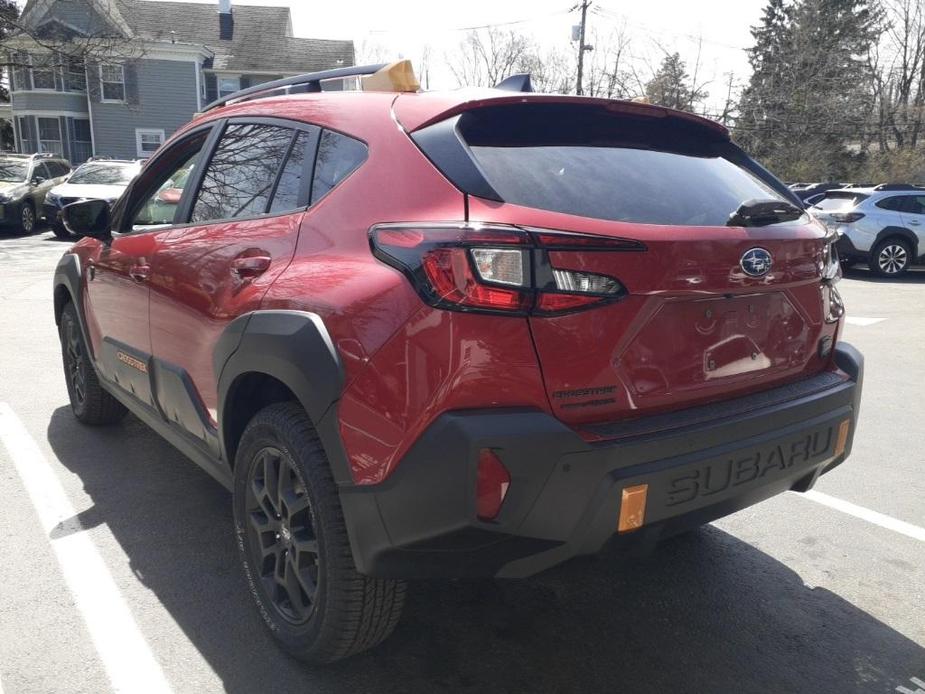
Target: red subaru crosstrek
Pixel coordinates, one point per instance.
(456, 334)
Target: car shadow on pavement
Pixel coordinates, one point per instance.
(705, 612)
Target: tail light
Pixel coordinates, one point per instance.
(831, 273)
(495, 268)
(846, 217)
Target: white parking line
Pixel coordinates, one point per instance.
(128, 661)
(863, 322)
(884, 521)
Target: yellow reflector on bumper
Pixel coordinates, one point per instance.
(633, 508)
(842, 439)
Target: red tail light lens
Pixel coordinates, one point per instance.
(496, 269)
(847, 217)
(492, 483)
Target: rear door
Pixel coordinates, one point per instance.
(241, 233)
(711, 311)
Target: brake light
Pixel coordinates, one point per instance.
(847, 217)
(495, 268)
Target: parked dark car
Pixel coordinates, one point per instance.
(24, 181)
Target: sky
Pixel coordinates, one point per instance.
(403, 28)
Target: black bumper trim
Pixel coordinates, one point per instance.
(565, 494)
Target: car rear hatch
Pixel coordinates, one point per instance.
(708, 308)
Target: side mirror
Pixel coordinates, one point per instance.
(37, 181)
(87, 218)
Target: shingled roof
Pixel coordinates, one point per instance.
(260, 42)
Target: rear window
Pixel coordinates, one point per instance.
(591, 162)
(838, 201)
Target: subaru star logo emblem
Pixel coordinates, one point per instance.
(756, 262)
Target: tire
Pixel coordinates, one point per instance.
(61, 231)
(293, 544)
(891, 257)
(27, 218)
(89, 402)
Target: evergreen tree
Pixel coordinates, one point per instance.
(671, 86)
(805, 110)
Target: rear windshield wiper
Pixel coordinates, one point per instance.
(756, 213)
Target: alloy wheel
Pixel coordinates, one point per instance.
(892, 259)
(27, 219)
(75, 365)
(282, 543)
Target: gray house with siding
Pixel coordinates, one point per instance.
(147, 67)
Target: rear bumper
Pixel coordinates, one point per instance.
(565, 494)
(847, 249)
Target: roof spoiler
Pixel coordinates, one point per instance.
(516, 83)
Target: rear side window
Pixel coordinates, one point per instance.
(293, 183)
(915, 204)
(588, 161)
(894, 203)
(239, 179)
(338, 157)
(839, 201)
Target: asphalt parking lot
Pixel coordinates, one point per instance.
(819, 593)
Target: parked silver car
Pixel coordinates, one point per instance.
(100, 178)
(883, 226)
(25, 179)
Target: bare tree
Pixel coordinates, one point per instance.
(609, 73)
(55, 46)
(487, 56)
(897, 66)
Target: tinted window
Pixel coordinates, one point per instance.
(338, 157)
(838, 201)
(292, 187)
(915, 204)
(592, 162)
(240, 176)
(56, 168)
(894, 203)
(42, 171)
(163, 183)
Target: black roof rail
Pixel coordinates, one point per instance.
(516, 83)
(311, 81)
(896, 186)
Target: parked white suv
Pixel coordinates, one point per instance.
(883, 225)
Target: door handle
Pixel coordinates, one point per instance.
(139, 273)
(914, 222)
(250, 266)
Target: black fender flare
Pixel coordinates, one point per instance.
(295, 348)
(901, 232)
(67, 287)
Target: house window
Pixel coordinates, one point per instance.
(76, 75)
(112, 82)
(43, 72)
(148, 141)
(22, 81)
(228, 85)
(50, 136)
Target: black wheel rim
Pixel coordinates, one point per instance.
(282, 543)
(28, 218)
(74, 363)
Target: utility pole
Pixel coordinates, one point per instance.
(581, 45)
